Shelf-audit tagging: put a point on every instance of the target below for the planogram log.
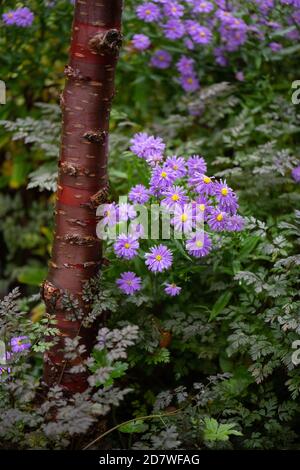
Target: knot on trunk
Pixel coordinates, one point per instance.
(74, 74)
(100, 197)
(76, 239)
(95, 137)
(50, 294)
(109, 42)
(68, 169)
(71, 170)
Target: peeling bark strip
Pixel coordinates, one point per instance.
(82, 184)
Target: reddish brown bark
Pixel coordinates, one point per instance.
(82, 183)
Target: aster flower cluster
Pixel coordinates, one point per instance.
(22, 17)
(200, 207)
(221, 27)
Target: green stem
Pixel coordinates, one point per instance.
(159, 416)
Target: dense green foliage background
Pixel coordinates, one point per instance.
(239, 314)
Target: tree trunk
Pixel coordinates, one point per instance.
(82, 182)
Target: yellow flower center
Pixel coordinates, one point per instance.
(175, 167)
(203, 4)
(202, 34)
(107, 213)
(175, 197)
(220, 217)
(127, 245)
(206, 180)
(199, 243)
(158, 257)
(190, 80)
(202, 207)
(129, 283)
(148, 12)
(163, 174)
(224, 191)
(184, 218)
(174, 9)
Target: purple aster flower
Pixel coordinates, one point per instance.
(177, 164)
(196, 164)
(161, 59)
(22, 17)
(159, 258)
(19, 344)
(174, 195)
(174, 29)
(172, 289)
(148, 147)
(172, 8)
(189, 83)
(126, 211)
(161, 178)
(110, 214)
(235, 223)
(296, 174)
(200, 6)
(139, 194)
(148, 12)
(204, 184)
(185, 65)
(226, 197)
(217, 220)
(9, 18)
(129, 283)
(199, 34)
(126, 246)
(141, 42)
(275, 46)
(200, 245)
(224, 16)
(184, 218)
(201, 207)
(233, 34)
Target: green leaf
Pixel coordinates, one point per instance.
(161, 356)
(32, 275)
(213, 431)
(248, 247)
(220, 305)
(119, 371)
(100, 358)
(134, 427)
